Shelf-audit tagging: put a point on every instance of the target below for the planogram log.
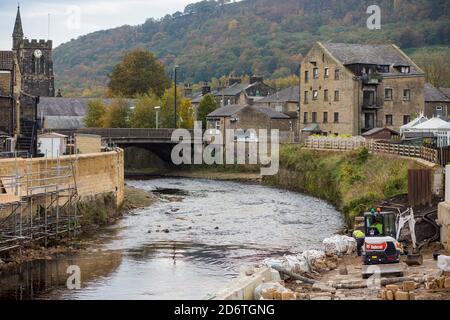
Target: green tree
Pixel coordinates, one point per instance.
(117, 114)
(139, 73)
(167, 108)
(207, 105)
(144, 113)
(94, 114)
(186, 114)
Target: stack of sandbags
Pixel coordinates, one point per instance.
(273, 291)
(339, 245)
(394, 292)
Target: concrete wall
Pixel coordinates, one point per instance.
(97, 173)
(88, 143)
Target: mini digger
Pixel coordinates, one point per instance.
(381, 251)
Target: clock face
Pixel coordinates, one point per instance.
(37, 53)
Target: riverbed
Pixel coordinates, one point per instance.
(190, 243)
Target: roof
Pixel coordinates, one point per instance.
(64, 122)
(434, 95)
(289, 94)
(272, 113)
(52, 135)
(432, 124)
(445, 91)
(377, 130)
(312, 128)
(226, 111)
(67, 107)
(379, 54)
(234, 89)
(6, 60)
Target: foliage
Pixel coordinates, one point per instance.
(94, 114)
(138, 73)
(435, 62)
(144, 113)
(186, 114)
(117, 114)
(207, 105)
(167, 108)
(351, 181)
(209, 40)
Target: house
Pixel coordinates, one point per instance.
(236, 93)
(381, 134)
(286, 100)
(445, 91)
(353, 88)
(248, 117)
(436, 102)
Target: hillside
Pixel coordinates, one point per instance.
(267, 37)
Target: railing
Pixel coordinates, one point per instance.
(130, 133)
(348, 144)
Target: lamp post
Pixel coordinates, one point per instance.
(175, 96)
(157, 108)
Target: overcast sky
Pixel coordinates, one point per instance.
(72, 18)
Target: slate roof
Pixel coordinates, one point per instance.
(226, 111)
(376, 130)
(6, 60)
(64, 122)
(286, 95)
(68, 107)
(272, 113)
(379, 54)
(445, 91)
(434, 95)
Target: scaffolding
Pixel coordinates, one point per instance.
(42, 205)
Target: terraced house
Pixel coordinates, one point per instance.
(353, 88)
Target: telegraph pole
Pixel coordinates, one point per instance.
(175, 97)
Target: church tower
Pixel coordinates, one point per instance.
(35, 62)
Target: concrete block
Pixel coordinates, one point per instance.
(412, 296)
(408, 286)
(288, 295)
(383, 294)
(447, 283)
(389, 295)
(401, 295)
(444, 213)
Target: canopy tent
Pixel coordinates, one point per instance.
(433, 124)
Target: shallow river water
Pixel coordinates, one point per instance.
(190, 243)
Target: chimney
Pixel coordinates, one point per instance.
(206, 89)
(187, 90)
(233, 80)
(254, 79)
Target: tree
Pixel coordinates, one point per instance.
(117, 114)
(186, 114)
(435, 64)
(207, 105)
(94, 114)
(167, 108)
(138, 73)
(144, 113)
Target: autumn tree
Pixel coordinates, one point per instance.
(139, 73)
(436, 65)
(94, 114)
(186, 114)
(167, 108)
(144, 113)
(207, 105)
(117, 114)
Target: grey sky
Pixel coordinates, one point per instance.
(72, 18)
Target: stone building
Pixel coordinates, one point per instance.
(286, 100)
(247, 117)
(235, 93)
(436, 102)
(353, 88)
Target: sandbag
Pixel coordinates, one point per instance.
(296, 264)
(339, 245)
(444, 263)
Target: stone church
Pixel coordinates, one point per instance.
(26, 74)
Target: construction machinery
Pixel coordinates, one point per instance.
(381, 251)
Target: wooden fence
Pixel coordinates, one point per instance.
(419, 187)
(433, 155)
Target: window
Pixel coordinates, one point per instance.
(325, 95)
(314, 117)
(407, 94)
(389, 119)
(217, 124)
(306, 97)
(316, 73)
(387, 94)
(336, 74)
(336, 117)
(405, 69)
(325, 117)
(406, 119)
(315, 94)
(306, 76)
(326, 73)
(336, 95)
(439, 112)
(305, 117)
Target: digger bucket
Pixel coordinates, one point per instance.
(414, 259)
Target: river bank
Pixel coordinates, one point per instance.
(96, 214)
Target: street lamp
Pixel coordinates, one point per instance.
(157, 108)
(175, 97)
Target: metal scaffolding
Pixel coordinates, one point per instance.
(43, 203)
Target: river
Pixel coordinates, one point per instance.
(190, 243)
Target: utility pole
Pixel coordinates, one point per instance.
(175, 97)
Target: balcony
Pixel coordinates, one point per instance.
(372, 79)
